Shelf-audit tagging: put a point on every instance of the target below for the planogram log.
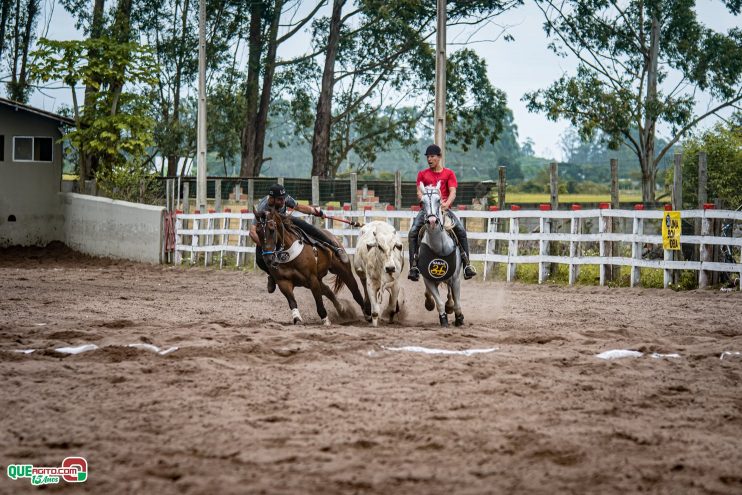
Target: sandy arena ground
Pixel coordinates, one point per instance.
(250, 404)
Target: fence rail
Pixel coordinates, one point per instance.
(227, 232)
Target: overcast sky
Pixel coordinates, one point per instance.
(515, 67)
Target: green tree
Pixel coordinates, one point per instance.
(723, 147)
(380, 56)
(18, 22)
(626, 50)
(116, 127)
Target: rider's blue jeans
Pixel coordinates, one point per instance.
(458, 229)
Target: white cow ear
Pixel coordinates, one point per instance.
(371, 244)
(398, 246)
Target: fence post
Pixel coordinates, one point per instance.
(168, 192)
(218, 194)
(397, 195)
(178, 238)
(224, 237)
(237, 192)
(702, 190)
(636, 247)
(353, 191)
(195, 238)
(602, 229)
(554, 185)
(575, 228)
(705, 250)
(612, 247)
(501, 188)
(186, 197)
(677, 205)
(210, 222)
(512, 245)
(544, 228)
(241, 237)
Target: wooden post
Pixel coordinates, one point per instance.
(706, 251)
(636, 251)
(575, 229)
(512, 248)
(677, 205)
(397, 195)
(543, 268)
(611, 247)
(186, 197)
(554, 185)
(178, 238)
(237, 192)
(603, 222)
(501, 189)
(353, 191)
(677, 183)
(168, 193)
(702, 194)
(250, 194)
(315, 196)
(218, 194)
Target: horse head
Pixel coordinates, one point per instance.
(432, 205)
(267, 223)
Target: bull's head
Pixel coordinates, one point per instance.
(385, 248)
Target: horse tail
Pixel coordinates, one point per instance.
(339, 284)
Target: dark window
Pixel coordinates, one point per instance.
(22, 149)
(42, 149)
(2, 148)
(32, 149)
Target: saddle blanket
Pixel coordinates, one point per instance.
(434, 267)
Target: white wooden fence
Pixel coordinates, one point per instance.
(227, 232)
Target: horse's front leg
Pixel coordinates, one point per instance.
(287, 289)
(316, 288)
(455, 289)
(393, 301)
(440, 304)
(373, 291)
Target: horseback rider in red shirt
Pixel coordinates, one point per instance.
(430, 177)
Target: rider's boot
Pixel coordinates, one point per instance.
(469, 271)
(414, 273)
(271, 285)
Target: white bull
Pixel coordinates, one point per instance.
(379, 262)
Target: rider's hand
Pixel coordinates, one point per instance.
(318, 212)
(445, 206)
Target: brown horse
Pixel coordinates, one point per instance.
(294, 263)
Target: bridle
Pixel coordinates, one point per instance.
(428, 194)
(264, 224)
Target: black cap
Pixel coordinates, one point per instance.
(277, 191)
(433, 149)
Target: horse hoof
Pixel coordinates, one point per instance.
(429, 303)
(444, 320)
(298, 321)
(368, 318)
(326, 321)
(459, 320)
(375, 322)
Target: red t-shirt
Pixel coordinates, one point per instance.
(430, 178)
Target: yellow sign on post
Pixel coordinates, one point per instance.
(671, 230)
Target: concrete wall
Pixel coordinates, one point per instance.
(29, 207)
(112, 229)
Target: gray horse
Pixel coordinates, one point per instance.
(439, 259)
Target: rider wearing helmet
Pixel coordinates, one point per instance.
(278, 200)
(430, 177)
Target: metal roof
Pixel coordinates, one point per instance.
(43, 113)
